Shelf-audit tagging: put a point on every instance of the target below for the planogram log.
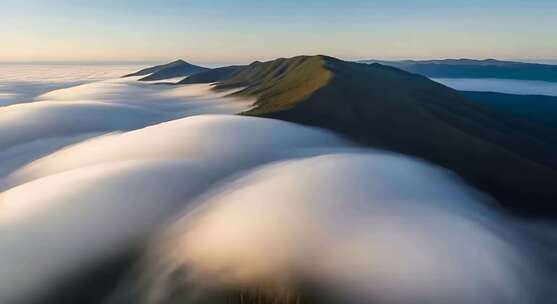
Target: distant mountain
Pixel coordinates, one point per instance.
(469, 68)
(385, 107)
(156, 68)
(178, 68)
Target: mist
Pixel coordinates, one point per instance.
(115, 105)
(220, 206)
(99, 198)
(23, 82)
(358, 227)
(508, 86)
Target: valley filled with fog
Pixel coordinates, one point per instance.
(93, 167)
(508, 86)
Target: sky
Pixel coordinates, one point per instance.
(240, 31)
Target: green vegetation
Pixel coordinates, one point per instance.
(278, 84)
(385, 107)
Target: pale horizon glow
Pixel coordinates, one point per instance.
(242, 31)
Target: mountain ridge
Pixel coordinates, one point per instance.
(472, 68)
(455, 61)
(382, 106)
(177, 68)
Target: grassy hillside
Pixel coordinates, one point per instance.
(279, 84)
(385, 107)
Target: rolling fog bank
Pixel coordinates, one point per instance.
(230, 209)
(508, 86)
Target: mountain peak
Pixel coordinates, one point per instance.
(278, 83)
(179, 62)
(386, 107)
(475, 68)
(176, 68)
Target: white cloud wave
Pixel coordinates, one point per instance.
(81, 204)
(106, 106)
(360, 228)
(23, 82)
(90, 171)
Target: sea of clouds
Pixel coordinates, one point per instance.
(229, 202)
(23, 82)
(508, 86)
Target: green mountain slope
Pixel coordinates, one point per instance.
(278, 84)
(385, 107)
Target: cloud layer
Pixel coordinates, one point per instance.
(90, 201)
(237, 203)
(348, 227)
(509, 86)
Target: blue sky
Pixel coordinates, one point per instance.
(208, 31)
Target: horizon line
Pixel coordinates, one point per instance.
(217, 62)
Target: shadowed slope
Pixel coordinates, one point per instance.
(385, 107)
(533, 115)
(154, 69)
(468, 68)
(539, 109)
(213, 75)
